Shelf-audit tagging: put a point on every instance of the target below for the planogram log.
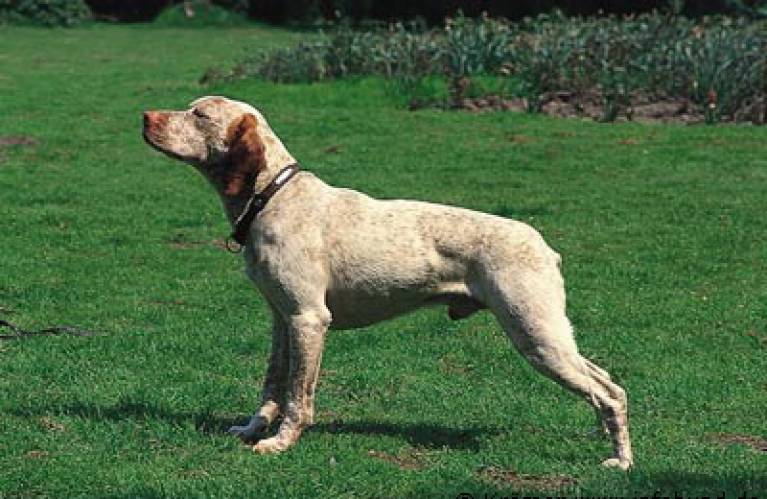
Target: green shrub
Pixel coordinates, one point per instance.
(720, 64)
(200, 14)
(44, 12)
(396, 51)
(749, 8)
(727, 68)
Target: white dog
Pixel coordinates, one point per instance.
(325, 257)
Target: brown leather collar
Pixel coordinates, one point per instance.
(255, 205)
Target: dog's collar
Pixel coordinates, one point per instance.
(255, 204)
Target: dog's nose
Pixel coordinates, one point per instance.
(155, 119)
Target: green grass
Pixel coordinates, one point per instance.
(661, 228)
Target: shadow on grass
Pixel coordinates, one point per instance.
(520, 212)
(416, 434)
(214, 423)
(204, 421)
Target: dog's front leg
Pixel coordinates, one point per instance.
(273, 394)
(306, 332)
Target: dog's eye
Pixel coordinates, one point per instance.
(200, 114)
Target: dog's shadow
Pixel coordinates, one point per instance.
(208, 422)
(427, 435)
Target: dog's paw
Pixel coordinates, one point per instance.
(253, 429)
(271, 445)
(598, 432)
(242, 432)
(615, 462)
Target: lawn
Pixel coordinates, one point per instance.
(662, 229)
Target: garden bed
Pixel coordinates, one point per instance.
(648, 67)
(640, 108)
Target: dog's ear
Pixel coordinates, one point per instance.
(246, 154)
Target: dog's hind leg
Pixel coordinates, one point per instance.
(603, 377)
(273, 393)
(531, 310)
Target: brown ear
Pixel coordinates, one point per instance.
(246, 154)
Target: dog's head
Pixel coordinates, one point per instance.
(222, 138)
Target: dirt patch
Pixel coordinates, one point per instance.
(756, 112)
(636, 107)
(758, 444)
(526, 482)
(36, 454)
(194, 474)
(178, 242)
(448, 365)
(520, 139)
(8, 141)
(332, 149)
(51, 425)
(411, 460)
(591, 104)
(17, 140)
(493, 103)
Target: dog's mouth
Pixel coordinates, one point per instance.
(151, 138)
(149, 129)
(148, 138)
(154, 120)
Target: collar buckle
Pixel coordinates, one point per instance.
(233, 246)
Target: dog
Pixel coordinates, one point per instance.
(332, 258)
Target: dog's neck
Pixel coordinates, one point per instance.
(276, 157)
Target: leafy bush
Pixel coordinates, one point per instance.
(749, 8)
(719, 64)
(397, 51)
(44, 12)
(199, 13)
(727, 68)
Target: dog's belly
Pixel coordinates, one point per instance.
(364, 311)
(359, 308)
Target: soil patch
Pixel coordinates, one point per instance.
(759, 444)
(526, 482)
(17, 140)
(51, 425)
(592, 104)
(8, 141)
(411, 460)
(178, 242)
